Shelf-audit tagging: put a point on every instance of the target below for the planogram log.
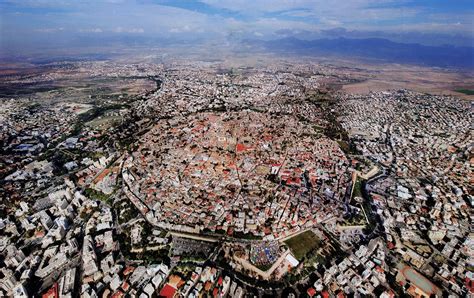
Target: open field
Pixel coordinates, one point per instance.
(68, 81)
(362, 76)
(422, 79)
(103, 122)
(303, 243)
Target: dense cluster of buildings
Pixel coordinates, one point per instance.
(423, 143)
(233, 182)
(244, 172)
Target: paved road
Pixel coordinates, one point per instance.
(195, 237)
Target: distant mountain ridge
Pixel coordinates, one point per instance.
(373, 48)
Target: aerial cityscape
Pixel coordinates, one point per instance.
(204, 168)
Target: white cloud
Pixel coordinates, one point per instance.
(251, 18)
(128, 30)
(185, 28)
(331, 22)
(49, 30)
(91, 30)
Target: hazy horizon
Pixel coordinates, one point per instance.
(28, 26)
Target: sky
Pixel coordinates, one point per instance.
(60, 23)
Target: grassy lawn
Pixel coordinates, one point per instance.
(264, 267)
(303, 243)
(357, 192)
(98, 195)
(466, 91)
(104, 122)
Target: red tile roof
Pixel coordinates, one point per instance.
(241, 147)
(117, 294)
(52, 292)
(311, 292)
(167, 291)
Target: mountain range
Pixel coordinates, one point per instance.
(371, 48)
